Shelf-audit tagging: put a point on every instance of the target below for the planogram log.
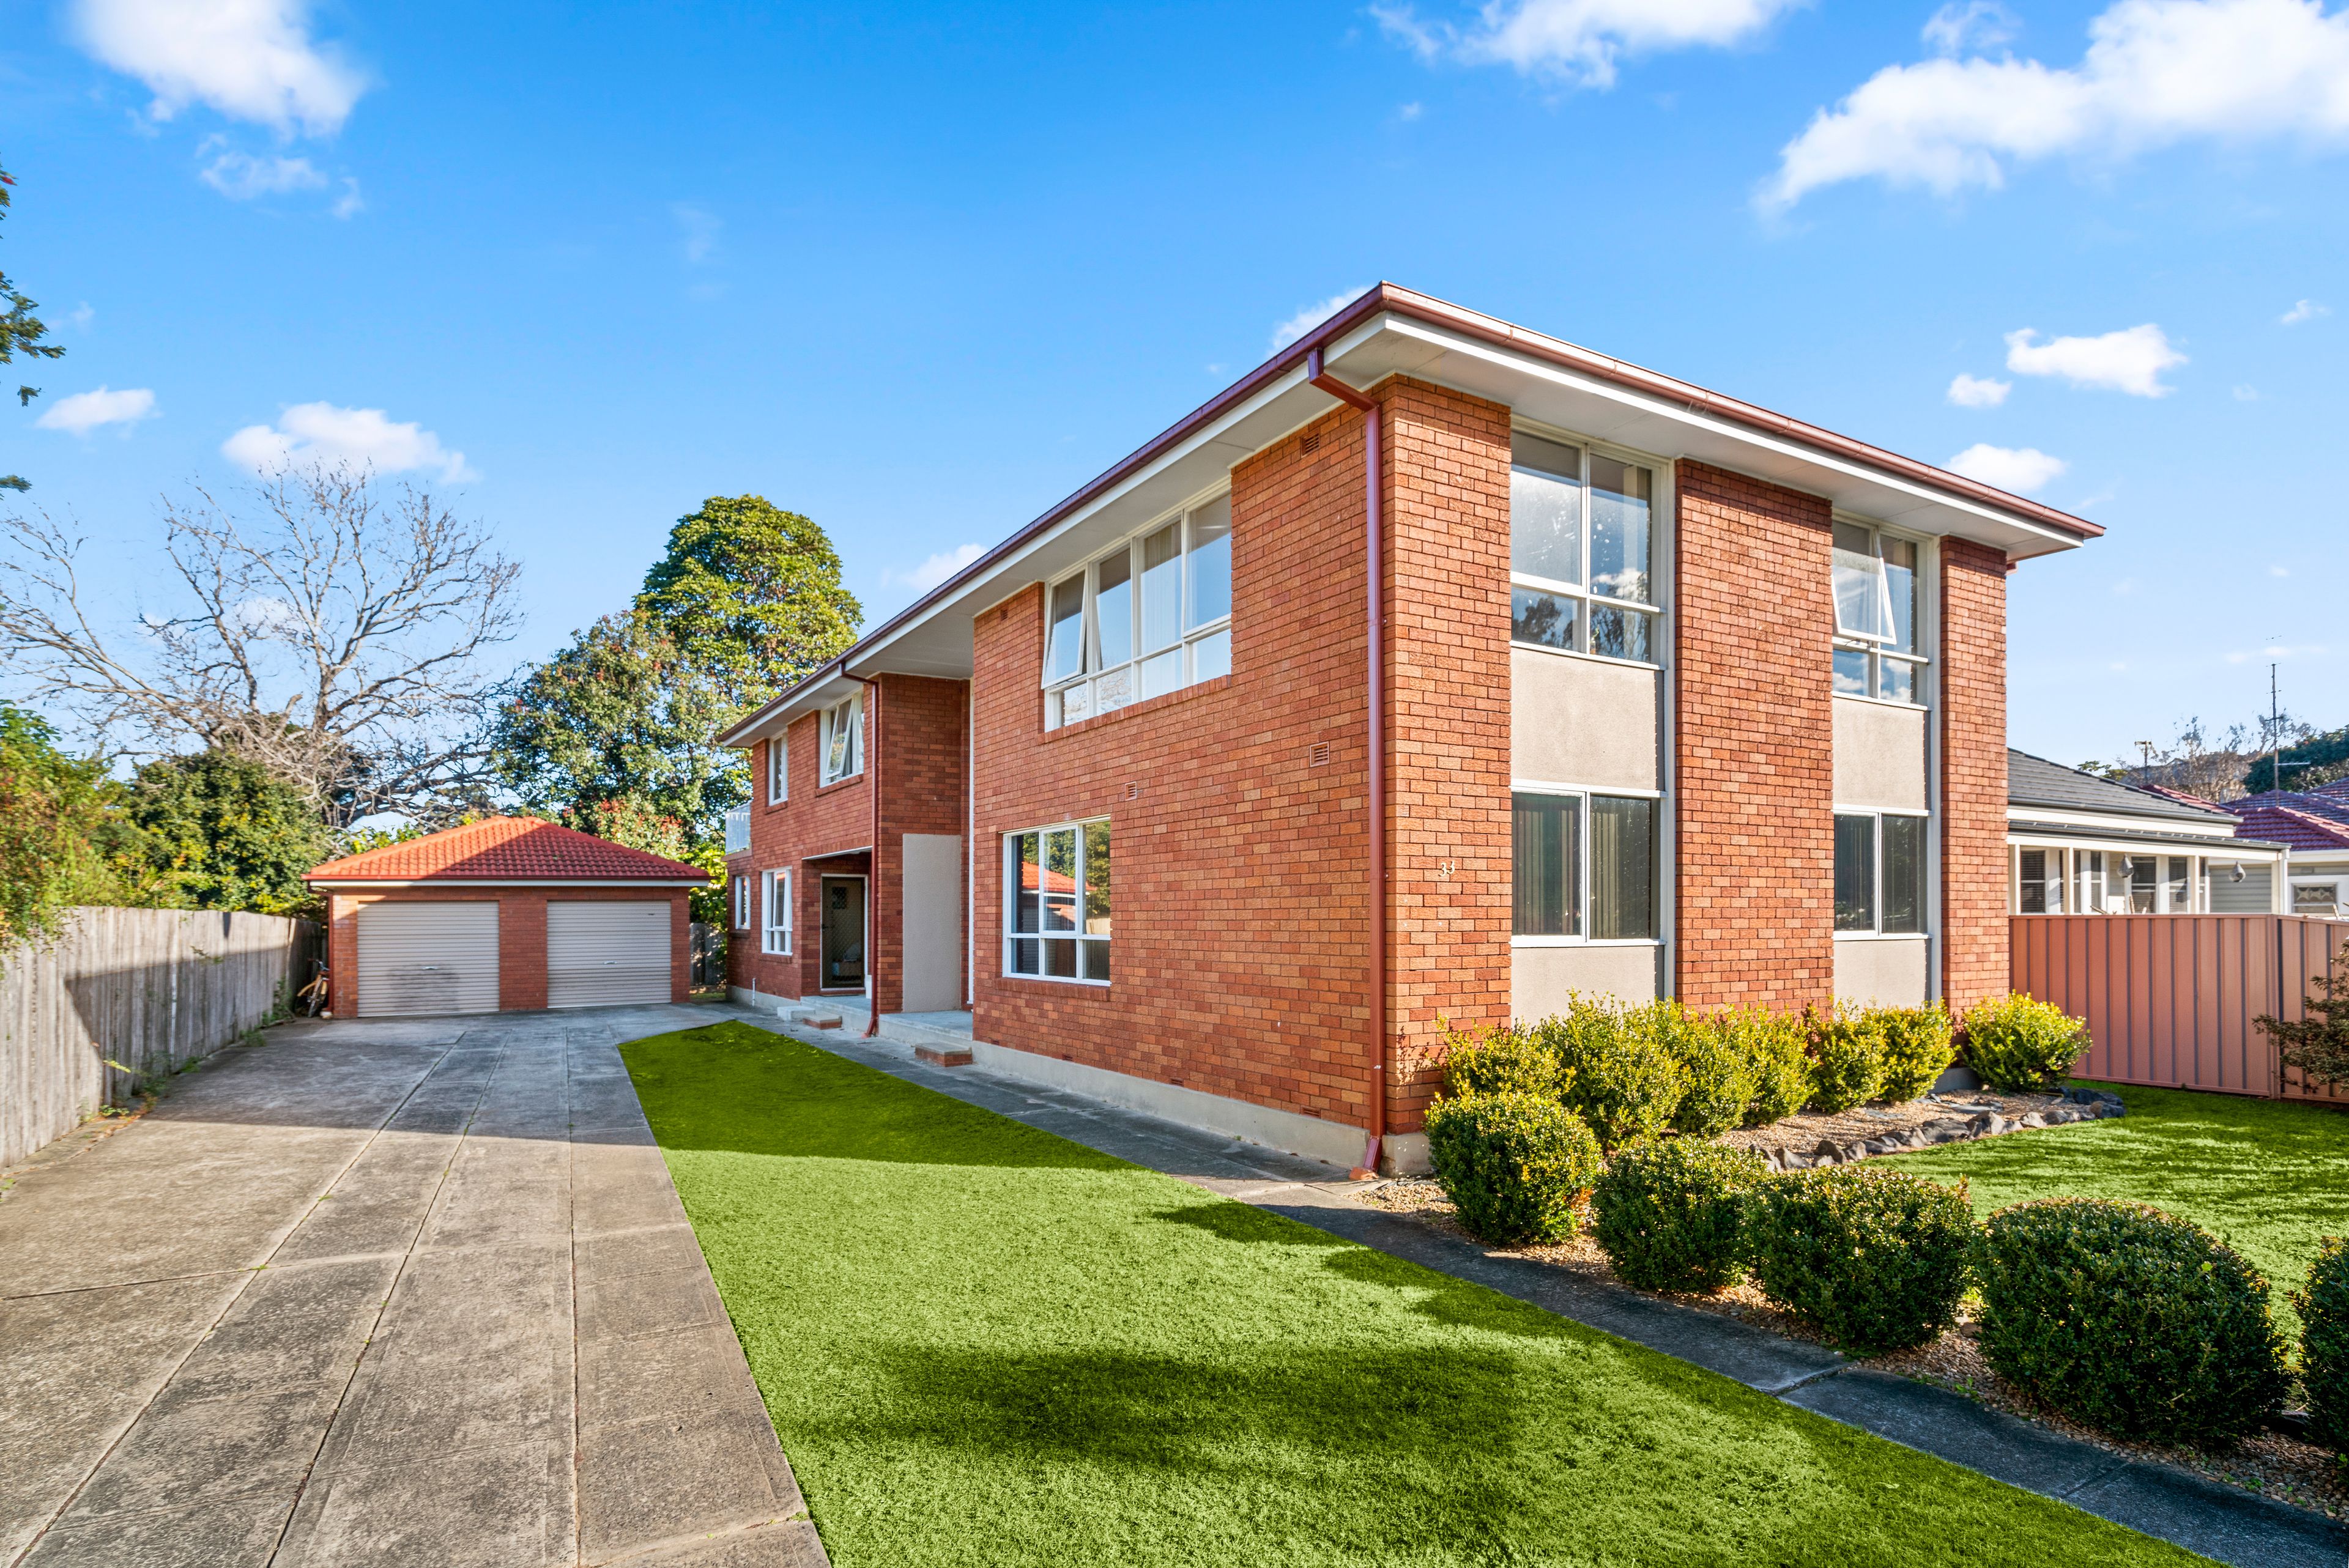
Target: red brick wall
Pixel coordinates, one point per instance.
(1974, 772)
(521, 936)
(1754, 743)
(1240, 881)
(1448, 836)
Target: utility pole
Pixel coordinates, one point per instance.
(2275, 734)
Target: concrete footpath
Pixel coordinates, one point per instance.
(2219, 1521)
(385, 1292)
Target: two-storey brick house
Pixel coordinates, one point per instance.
(1656, 692)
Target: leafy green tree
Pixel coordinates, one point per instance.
(223, 832)
(621, 716)
(64, 839)
(2316, 760)
(20, 333)
(751, 596)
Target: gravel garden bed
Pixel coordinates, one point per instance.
(2272, 1463)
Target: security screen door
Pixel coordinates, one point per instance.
(843, 932)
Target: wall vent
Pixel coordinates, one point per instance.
(1311, 443)
(1320, 756)
(1133, 791)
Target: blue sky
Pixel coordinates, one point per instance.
(919, 273)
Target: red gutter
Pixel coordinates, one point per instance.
(1374, 620)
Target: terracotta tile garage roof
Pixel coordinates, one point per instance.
(506, 849)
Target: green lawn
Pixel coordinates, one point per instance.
(982, 1344)
(2268, 1176)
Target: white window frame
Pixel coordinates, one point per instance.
(1582, 795)
(1925, 888)
(775, 898)
(1657, 607)
(779, 770)
(1096, 688)
(742, 902)
(1012, 936)
(849, 711)
(1879, 650)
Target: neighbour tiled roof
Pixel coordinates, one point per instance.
(2183, 798)
(2035, 781)
(2304, 821)
(506, 849)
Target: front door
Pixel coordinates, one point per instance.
(844, 933)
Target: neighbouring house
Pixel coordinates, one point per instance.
(504, 914)
(2078, 845)
(1431, 671)
(2314, 824)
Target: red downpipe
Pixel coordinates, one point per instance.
(873, 882)
(1374, 606)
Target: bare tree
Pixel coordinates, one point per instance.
(331, 633)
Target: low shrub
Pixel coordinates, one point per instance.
(1716, 1076)
(1875, 1258)
(2324, 1307)
(1512, 1059)
(1514, 1164)
(1777, 1059)
(1846, 1060)
(1617, 1070)
(2017, 1043)
(1669, 1215)
(1917, 1047)
(2128, 1318)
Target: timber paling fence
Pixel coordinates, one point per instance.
(2170, 998)
(150, 989)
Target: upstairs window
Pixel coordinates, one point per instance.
(1152, 616)
(1876, 651)
(843, 740)
(778, 771)
(1582, 551)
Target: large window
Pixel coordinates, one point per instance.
(778, 771)
(1880, 873)
(843, 740)
(1057, 893)
(1583, 866)
(1152, 616)
(1582, 551)
(775, 905)
(1878, 653)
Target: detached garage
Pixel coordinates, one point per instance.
(508, 914)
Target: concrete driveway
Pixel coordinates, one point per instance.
(383, 1293)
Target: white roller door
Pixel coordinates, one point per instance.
(603, 955)
(428, 959)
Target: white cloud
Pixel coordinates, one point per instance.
(349, 204)
(2018, 470)
(1976, 25)
(86, 411)
(250, 59)
(2247, 393)
(2306, 310)
(935, 570)
(2130, 360)
(1312, 316)
(81, 315)
(1579, 42)
(2278, 570)
(700, 231)
(241, 177)
(2157, 72)
(1411, 112)
(1979, 391)
(322, 433)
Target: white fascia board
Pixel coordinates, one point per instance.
(1604, 410)
(2050, 837)
(839, 689)
(2121, 821)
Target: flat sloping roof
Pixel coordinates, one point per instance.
(2035, 781)
(506, 849)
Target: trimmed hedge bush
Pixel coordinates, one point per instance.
(1875, 1258)
(2128, 1318)
(1617, 1070)
(1514, 1164)
(1669, 1215)
(2324, 1307)
(1507, 1060)
(2017, 1043)
(1777, 1057)
(1716, 1076)
(1846, 1060)
(1916, 1045)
